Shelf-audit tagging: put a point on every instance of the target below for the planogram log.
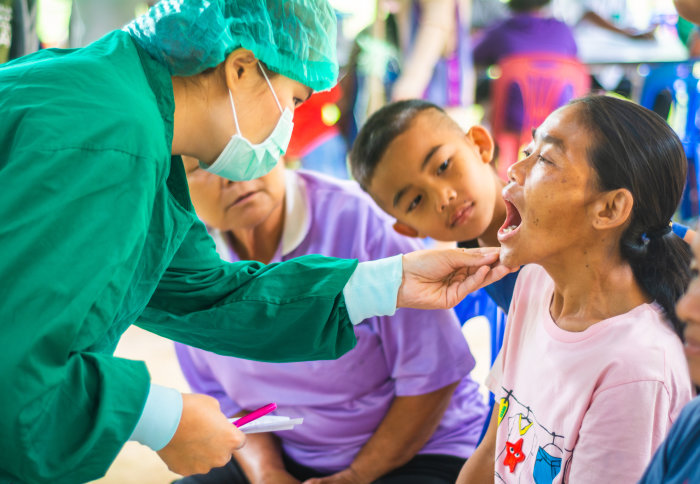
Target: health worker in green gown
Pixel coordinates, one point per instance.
(98, 233)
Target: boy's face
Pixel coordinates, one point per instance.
(436, 180)
(688, 310)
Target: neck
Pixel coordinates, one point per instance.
(590, 287)
(258, 243)
(192, 135)
(490, 236)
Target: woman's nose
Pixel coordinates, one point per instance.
(516, 172)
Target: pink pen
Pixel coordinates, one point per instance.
(255, 414)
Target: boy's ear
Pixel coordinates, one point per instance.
(404, 229)
(612, 209)
(483, 141)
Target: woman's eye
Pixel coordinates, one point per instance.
(414, 203)
(443, 166)
(542, 159)
(297, 102)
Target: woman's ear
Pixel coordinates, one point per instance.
(404, 229)
(483, 141)
(612, 209)
(240, 66)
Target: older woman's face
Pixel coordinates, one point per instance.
(688, 310)
(549, 194)
(227, 205)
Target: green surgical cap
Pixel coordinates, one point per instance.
(295, 38)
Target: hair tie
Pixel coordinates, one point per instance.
(658, 233)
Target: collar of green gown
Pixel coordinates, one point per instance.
(161, 84)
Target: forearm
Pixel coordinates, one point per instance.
(596, 19)
(406, 427)
(436, 27)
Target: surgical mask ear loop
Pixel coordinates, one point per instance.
(235, 118)
(269, 84)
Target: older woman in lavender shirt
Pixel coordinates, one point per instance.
(398, 408)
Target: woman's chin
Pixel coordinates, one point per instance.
(511, 257)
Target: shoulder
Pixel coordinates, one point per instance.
(343, 210)
(646, 350)
(101, 91)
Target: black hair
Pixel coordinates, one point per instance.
(526, 5)
(378, 132)
(634, 148)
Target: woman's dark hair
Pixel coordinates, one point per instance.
(378, 132)
(526, 5)
(634, 148)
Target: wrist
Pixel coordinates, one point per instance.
(360, 475)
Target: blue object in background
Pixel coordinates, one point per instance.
(328, 157)
(681, 81)
(479, 303)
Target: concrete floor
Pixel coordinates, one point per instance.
(137, 464)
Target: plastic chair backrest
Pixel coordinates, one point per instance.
(682, 80)
(544, 81)
(479, 303)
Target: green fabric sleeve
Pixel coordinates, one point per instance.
(66, 408)
(288, 311)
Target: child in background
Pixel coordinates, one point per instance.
(530, 30)
(408, 412)
(591, 374)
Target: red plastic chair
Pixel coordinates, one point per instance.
(543, 79)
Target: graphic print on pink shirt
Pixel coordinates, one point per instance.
(514, 454)
(529, 439)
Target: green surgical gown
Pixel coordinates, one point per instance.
(97, 232)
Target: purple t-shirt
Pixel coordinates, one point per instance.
(343, 401)
(523, 34)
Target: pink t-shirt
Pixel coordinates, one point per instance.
(588, 406)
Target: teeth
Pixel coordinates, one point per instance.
(509, 229)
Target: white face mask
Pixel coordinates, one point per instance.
(241, 160)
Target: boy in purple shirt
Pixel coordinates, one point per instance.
(398, 408)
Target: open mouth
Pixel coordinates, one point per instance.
(512, 224)
(462, 214)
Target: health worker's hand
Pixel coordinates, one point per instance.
(204, 439)
(439, 279)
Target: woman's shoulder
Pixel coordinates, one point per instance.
(345, 197)
(93, 99)
(646, 349)
(342, 210)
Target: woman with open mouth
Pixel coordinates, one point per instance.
(591, 374)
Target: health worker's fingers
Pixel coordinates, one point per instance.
(204, 439)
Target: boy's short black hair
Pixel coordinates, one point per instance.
(526, 5)
(378, 132)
